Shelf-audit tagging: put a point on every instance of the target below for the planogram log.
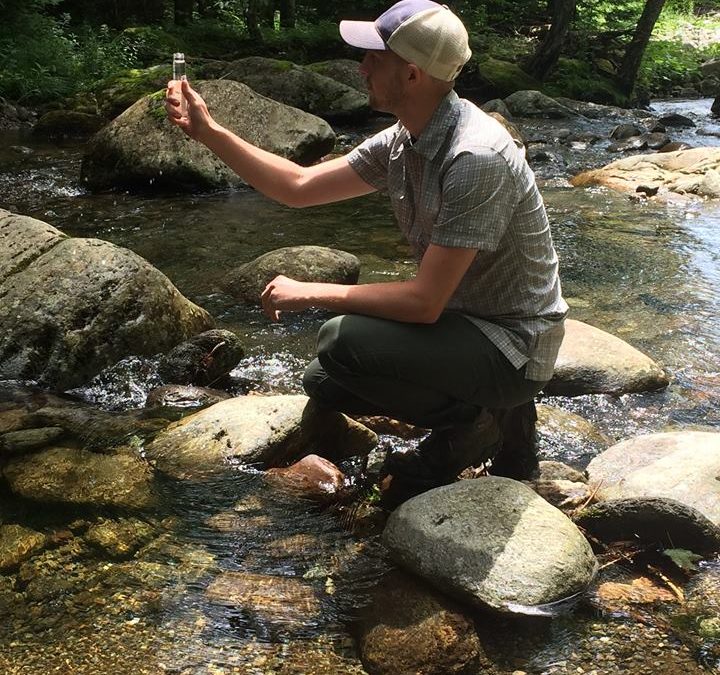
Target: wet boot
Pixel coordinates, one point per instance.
(517, 458)
(440, 458)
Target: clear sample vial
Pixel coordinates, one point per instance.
(179, 74)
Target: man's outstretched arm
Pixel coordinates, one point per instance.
(274, 176)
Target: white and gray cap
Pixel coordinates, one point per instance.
(420, 31)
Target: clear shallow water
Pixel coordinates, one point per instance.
(646, 272)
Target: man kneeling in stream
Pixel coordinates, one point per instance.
(464, 346)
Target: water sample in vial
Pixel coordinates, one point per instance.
(179, 74)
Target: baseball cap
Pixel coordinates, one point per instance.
(420, 31)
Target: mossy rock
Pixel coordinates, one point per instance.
(118, 92)
(490, 78)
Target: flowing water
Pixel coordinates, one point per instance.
(646, 272)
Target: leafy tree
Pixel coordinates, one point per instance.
(549, 50)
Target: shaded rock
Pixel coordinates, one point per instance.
(312, 477)
(14, 116)
(488, 78)
(628, 145)
(497, 105)
(656, 140)
(141, 149)
(651, 520)
(681, 465)
(710, 68)
(592, 361)
(537, 104)
(29, 439)
(683, 172)
(624, 131)
(270, 430)
(182, 397)
(487, 542)
(72, 307)
(409, 628)
(73, 476)
(674, 146)
(272, 599)
(203, 359)
(550, 470)
(119, 538)
(296, 86)
(564, 494)
(17, 544)
(511, 128)
(14, 419)
(303, 263)
(345, 71)
(67, 124)
(676, 120)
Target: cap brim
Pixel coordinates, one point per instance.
(362, 34)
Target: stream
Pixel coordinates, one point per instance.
(646, 272)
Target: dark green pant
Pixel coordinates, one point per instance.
(431, 375)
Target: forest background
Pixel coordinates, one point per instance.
(608, 51)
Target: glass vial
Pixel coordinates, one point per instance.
(179, 74)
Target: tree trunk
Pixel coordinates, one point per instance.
(287, 13)
(183, 10)
(546, 55)
(252, 19)
(627, 73)
(207, 8)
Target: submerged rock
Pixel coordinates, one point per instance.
(491, 542)
(73, 476)
(681, 173)
(140, 149)
(303, 263)
(410, 628)
(74, 306)
(119, 538)
(312, 477)
(681, 465)
(17, 544)
(269, 430)
(182, 397)
(592, 361)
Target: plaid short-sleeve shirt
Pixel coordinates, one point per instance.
(465, 183)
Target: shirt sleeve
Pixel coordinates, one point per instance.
(370, 159)
(479, 197)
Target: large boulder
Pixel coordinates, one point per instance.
(345, 71)
(304, 263)
(296, 86)
(491, 542)
(679, 465)
(592, 361)
(141, 149)
(537, 104)
(71, 306)
(119, 91)
(270, 430)
(680, 174)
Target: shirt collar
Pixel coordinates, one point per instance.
(435, 131)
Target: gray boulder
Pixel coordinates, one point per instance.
(296, 86)
(679, 465)
(74, 476)
(141, 149)
(345, 71)
(592, 361)
(271, 430)
(73, 306)
(304, 263)
(491, 542)
(530, 103)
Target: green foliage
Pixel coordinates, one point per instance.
(578, 79)
(684, 559)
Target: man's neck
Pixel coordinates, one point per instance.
(416, 115)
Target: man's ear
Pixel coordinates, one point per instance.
(414, 74)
